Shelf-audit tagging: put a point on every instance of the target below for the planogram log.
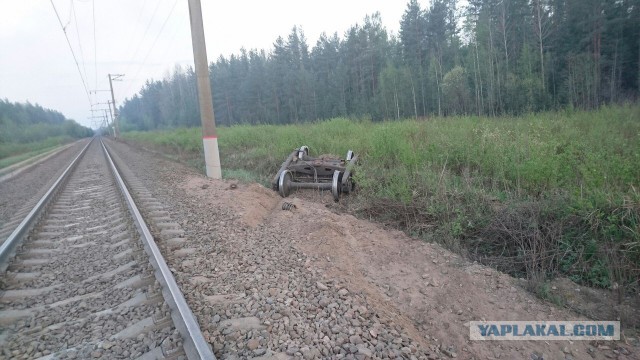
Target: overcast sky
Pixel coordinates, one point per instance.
(145, 39)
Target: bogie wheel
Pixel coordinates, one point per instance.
(336, 185)
(284, 183)
(349, 155)
(348, 186)
(303, 151)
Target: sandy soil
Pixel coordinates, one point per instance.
(432, 292)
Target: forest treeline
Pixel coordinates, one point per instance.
(25, 123)
(491, 57)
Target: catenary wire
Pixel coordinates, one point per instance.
(84, 83)
(144, 61)
(144, 35)
(75, 20)
(95, 43)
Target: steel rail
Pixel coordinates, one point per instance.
(195, 346)
(10, 244)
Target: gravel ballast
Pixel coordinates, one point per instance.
(19, 194)
(81, 286)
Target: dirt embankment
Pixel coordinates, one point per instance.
(432, 292)
(311, 282)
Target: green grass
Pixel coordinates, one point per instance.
(498, 189)
(13, 153)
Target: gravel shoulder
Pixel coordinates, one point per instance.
(24, 190)
(314, 283)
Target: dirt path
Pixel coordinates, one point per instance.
(326, 285)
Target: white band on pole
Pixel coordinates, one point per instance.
(212, 157)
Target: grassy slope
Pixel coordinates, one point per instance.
(12, 153)
(537, 194)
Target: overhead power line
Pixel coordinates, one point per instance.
(75, 20)
(95, 43)
(84, 83)
(144, 36)
(144, 61)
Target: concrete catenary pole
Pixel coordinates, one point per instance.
(110, 111)
(209, 136)
(106, 120)
(116, 120)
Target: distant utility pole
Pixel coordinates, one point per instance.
(106, 117)
(116, 120)
(94, 117)
(110, 112)
(108, 103)
(209, 136)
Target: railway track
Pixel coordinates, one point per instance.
(82, 278)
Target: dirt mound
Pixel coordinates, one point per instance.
(432, 292)
(252, 202)
(427, 288)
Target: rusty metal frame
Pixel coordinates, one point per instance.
(301, 171)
